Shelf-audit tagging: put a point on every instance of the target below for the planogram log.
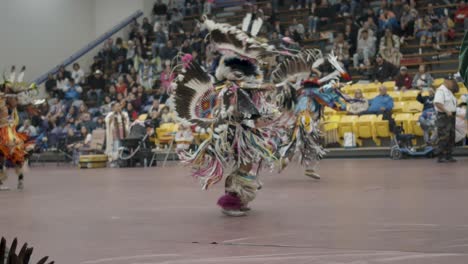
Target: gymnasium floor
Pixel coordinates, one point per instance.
(363, 211)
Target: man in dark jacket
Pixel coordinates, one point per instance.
(384, 70)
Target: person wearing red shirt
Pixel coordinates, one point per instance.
(403, 80)
(121, 86)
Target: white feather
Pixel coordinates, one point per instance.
(256, 26)
(246, 21)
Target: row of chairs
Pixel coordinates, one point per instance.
(398, 107)
(165, 134)
(370, 90)
(372, 126)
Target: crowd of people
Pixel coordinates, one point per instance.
(135, 71)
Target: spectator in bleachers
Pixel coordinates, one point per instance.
(390, 47)
(166, 115)
(160, 40)
(436, 27)
(461, 13)
(365, 49)
(167, 76)
(422, 79)
(28, 129)
(66, 74)
(96, 85)
(121, 86)
(351, 35)
(51, 86)
(384, 70)
(381, 103)
(97, 64)
(72, 91)
(388, 20)
(369, 27)
(426, 100)
(422, 31)
(397, 8)
(320, 15)
(297, 30)
(176, 21)
(183, 137)
(341, 49)
(154, 107)
(407, 21)
(403, 80)
(78, 74)
(132, 113)
(168, 52)
(147, 28)
(159, 11)
(369, 13)
(160, 95)
(62, 82)
(360, 105)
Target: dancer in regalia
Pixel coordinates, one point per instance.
(307, 97)
(14, 146)
(231, 107)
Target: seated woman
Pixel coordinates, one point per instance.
(83, 143)
(183, 137)
(390, 48)
(166, 115)
(422, 79)
(359, 105)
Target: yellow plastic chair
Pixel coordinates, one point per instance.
(404, 120)
(372, 87)
(365, 128)
(409, 95)
(437, 82)
(165, 132)
(462, 91)
(328, 111)
(398, 107)
(390, 85)
(381, 127)
(369, 96)
(417, 130)
(330, 128)
(346, 89)
(413, 107)
(396, 95)
(348, 124)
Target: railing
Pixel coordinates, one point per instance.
(90, 46)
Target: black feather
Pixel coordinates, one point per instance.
(244, 66)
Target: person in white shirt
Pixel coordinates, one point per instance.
(445, 104)
(28, 129)
(365, 49)
(77, 74)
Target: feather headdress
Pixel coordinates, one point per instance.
(194, 96)
(229, 39)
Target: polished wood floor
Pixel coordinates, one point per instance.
(362, 211)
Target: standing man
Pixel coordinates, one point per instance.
(117, 128)
(445, 104)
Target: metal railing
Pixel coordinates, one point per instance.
(90, 46)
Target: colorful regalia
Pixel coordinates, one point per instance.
(232, 108)
(306, 98)
(14, 146)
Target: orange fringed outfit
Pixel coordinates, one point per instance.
(13, 144)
